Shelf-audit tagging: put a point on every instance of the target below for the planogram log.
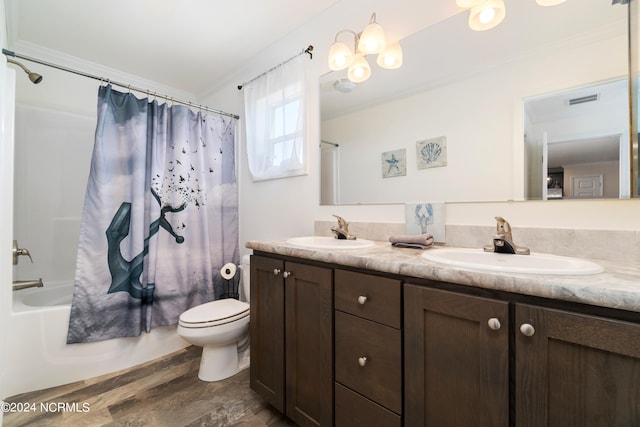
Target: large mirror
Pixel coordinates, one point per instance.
(480, 98)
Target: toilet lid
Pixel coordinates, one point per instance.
(214, 312)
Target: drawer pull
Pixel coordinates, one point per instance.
(494, 324)
(362, 299)
(286, 274)
(362, 360)
(276, 271)
(527, 329)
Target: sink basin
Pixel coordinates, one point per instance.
(328, 242)
(535, 263)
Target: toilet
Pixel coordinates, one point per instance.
(221, 328)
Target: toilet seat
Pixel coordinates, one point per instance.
(214, 313)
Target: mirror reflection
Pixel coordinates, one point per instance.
(575, 142)
(469, 89)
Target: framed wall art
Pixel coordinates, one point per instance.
(394, 163)
(431, 153)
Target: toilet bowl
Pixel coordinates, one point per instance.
(221, 328)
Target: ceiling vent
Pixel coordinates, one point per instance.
(583, 99)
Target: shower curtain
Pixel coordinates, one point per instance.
(160, 217)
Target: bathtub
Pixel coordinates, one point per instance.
(39, 356)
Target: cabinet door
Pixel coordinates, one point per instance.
(267, 330)
(456, 359)
(309, 344)
(575, 370)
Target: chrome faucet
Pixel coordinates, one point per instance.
(503, 240)
(24, 284)
(342, 230)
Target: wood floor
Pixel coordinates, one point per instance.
(163, 392)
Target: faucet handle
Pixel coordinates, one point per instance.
(342, 223)
(19, 252)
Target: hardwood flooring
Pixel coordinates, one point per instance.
(163, 392)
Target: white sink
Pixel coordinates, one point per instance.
(328, 242)
(536, 263)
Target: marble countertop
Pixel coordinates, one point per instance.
(617, 287)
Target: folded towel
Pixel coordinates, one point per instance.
(420, 241)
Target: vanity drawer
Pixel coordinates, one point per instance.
(379, 376)
(353, 409)
(372, 297)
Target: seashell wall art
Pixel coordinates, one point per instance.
(431, 153)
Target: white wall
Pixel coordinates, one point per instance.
(51, 168)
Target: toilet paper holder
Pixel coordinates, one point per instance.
(231, 282)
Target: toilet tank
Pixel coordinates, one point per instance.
(245, 279)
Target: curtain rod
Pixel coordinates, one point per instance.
(308, 50)
(322, 141)
(128, 86)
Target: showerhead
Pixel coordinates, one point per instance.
(34, 77)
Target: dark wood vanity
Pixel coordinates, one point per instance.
(334, 344)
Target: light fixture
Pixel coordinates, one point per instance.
(369, 42)
(359, 71)
(340, 56)
(486, 14)
(391, 58)
(372, 40)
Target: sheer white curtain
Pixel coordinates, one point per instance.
(276, 121)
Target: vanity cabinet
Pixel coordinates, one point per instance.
(291, 324)
(456, 359)
(368, 350)
(575, 370)
(566, 369)
(334, 346)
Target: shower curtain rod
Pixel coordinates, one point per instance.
(308, 50)
(127, 86)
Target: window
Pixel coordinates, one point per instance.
(275, 120)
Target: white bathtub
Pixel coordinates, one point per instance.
(39, 356)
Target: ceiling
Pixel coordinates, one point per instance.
(186, 44)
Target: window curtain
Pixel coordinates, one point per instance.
(160, 217)
(276, 121)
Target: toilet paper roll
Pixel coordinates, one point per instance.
(228, 271)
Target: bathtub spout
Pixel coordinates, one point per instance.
(24, 284)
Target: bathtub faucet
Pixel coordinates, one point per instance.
(24, 284)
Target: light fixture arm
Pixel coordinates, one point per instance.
(356, 38)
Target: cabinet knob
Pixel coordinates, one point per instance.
(527, 329)
(362, 299)
(494, 324)
(286, 274)
(276, 271)
(362, 360)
